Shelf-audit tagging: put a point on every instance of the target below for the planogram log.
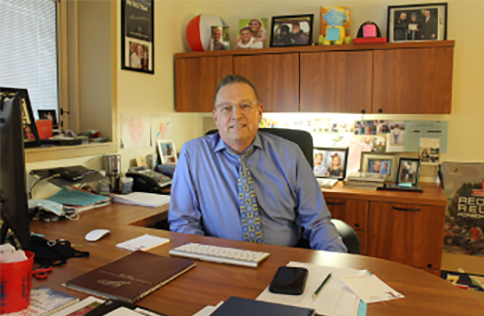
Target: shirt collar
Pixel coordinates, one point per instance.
(220, 145)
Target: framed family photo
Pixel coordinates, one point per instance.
(48, 115)
(30, 133)
(252, 33)
(417, 22)
(292, 30)
(330, 162)
(137, 39)
(381, 163)
(408, 171)
(166, 150)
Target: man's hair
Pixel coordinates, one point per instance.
(230, 79)
(245, 29)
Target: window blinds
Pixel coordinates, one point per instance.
(28, 50)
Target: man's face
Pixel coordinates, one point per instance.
(245, 36)
(237, 124)
(427, 13)
(217, 34)
(296, 28)
(377, 165)
(403, 16)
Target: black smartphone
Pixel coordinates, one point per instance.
(289, 280)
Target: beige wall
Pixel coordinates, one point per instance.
(144, 94)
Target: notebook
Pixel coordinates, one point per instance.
(237, 306)
(131, 277)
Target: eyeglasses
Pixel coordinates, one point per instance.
(229, 108)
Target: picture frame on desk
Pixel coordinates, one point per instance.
(137, 38)
(417, 22)
(408, 171)
(330, 162)
(382, 163)
(292, 30)
(30, 133)
(166, 150)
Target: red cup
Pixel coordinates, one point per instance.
(44, 128)
(15, 284)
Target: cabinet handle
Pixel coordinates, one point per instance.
(363, 111)
(406, 209)
(380, 110)
(357, 225)
(336, 203)
(429, 266)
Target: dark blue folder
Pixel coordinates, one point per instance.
(237, 306)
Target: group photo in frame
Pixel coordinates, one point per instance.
(292, 30)
(384, 164)
(30, 133)
(408, 171)
(166, 150)
(252, 33)
(330, 162)
(137, 39)
(417, 22)
(48, 115)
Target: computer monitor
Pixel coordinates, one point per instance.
(13, 195)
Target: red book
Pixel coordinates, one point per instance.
(367, 40)
(131, 277)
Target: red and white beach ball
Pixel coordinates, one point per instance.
(199, 30)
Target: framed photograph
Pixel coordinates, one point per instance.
(220, 37)
(417, 22)
(31, 135)
(382, 163)
(252, 33)
(167, 151)
(408, 171)
(137, 39)
(292, 30)
(48, 115)
(330, 162)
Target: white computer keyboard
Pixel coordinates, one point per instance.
(217, 254)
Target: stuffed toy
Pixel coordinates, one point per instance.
(335, 32)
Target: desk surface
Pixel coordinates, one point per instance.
(209, 283)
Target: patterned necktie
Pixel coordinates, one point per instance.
(249, 209)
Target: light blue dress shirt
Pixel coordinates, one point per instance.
(204, 193)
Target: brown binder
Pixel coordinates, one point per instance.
(131, 277)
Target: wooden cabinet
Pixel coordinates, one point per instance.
(353, 213)
(406, 233)
(275, 77)
(413, 80)
(196, 80)
(389, 78)
(336, 81)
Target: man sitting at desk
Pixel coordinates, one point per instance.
(244, 185)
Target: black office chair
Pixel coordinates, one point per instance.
(305, 141)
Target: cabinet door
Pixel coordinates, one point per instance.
(196, 80)
(276, 78)
(353, 213)
(413, 81)
(406, 233)
(336, 82)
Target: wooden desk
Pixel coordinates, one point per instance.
(209, 283)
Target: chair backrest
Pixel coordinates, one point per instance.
(302, 138)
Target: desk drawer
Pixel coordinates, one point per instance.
(352, 212)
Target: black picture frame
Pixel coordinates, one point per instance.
(410, 23)
(31, 135)
(404, 176)
(137, 36)
(326, 155)
(50, 115)
(281, 23)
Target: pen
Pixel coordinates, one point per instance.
(321, 286)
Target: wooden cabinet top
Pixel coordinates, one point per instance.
(317, 48)
(433, 194)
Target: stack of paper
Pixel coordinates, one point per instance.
(144, 242)
(79, 200)
(142, 199)
(340, 296)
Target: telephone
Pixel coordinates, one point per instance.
(147, 180)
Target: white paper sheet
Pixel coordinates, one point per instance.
(144, 242)
(142, 199)
(335, 298)
(135, 131)
(208, 310)
(370, 288)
